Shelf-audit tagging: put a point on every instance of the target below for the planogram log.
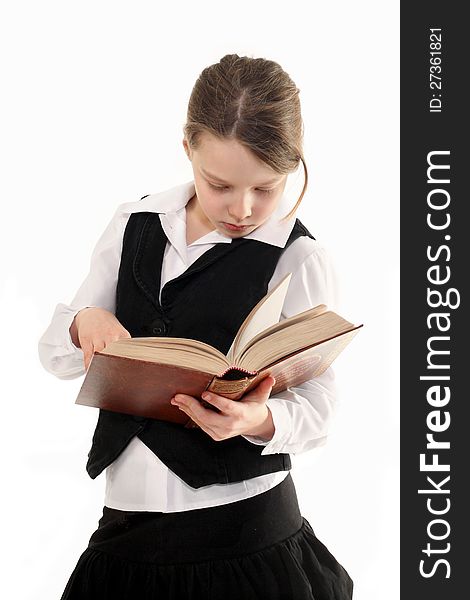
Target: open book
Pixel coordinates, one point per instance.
(140, 375)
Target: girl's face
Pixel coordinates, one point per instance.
(235, 191)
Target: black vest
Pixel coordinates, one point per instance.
(207, 302)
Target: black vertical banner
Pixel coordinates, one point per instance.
(435, 268)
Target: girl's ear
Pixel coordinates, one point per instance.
(187, 149)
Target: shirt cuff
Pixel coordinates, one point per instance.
(281, 420)
(69, 320)
(301, 416)
(57, 353)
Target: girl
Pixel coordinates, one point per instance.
(210, 511)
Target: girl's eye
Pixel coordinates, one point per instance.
(219, 188)
(223, 188)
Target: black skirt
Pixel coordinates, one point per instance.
(260, 548)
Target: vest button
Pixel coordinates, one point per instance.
(158, 327)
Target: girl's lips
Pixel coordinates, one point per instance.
(234, 227)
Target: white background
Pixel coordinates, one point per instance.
(94, 101)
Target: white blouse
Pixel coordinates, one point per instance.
(137, 480)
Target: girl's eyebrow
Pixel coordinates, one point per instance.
(204, 172)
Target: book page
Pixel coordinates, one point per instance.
(300, 317)
(298, 336)
(305, 365)
(182, 352)
(266, 313)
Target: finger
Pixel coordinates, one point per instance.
(261, 392)
(87, 353)
(225, 405)
(187, 407)
(269, 381)
(193, 408)
(192, 423)
(189, 404)
(89, 349)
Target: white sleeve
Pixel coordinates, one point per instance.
(57, 353)
(302, 414)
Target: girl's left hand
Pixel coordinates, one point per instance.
(248, 416)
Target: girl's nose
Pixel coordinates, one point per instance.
(240, 209)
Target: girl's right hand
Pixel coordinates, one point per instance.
(93, 328)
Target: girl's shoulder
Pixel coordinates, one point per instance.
(171, 199)
(313, 275)
(303, 248)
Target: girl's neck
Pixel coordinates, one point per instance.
(197, 224)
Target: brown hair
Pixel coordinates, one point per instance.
(254, 101)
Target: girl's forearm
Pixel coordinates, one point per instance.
(74, 333)
(265, 430)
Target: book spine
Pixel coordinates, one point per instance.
(233, 389)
